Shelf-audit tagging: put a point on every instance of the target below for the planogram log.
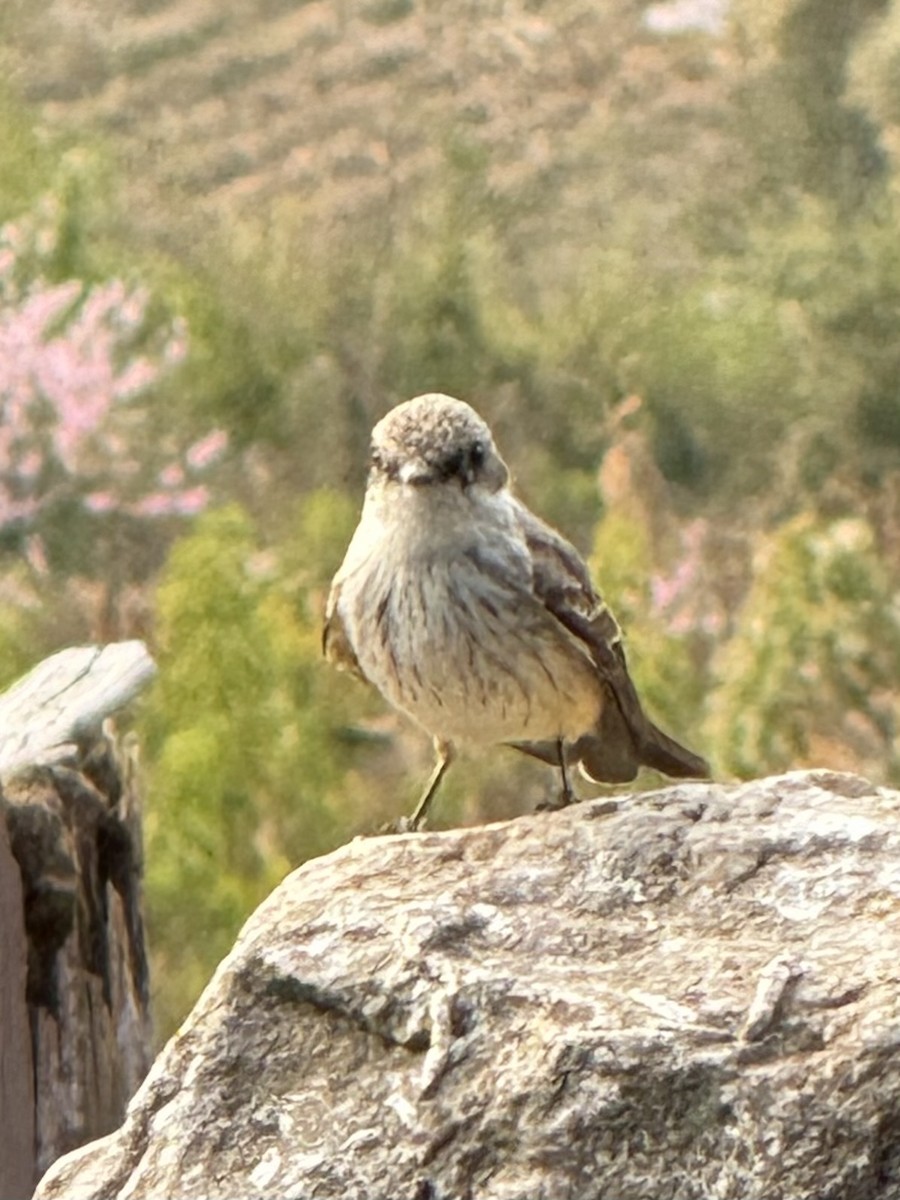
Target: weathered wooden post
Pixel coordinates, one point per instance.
(74, 1019)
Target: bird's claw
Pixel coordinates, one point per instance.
(392, 828)
(562, 800)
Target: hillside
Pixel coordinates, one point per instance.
(351, 105)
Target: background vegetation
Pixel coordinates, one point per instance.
(658, 247)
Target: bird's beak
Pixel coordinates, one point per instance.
(416, 471)
(495, 474)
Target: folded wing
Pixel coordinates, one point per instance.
(625, 738)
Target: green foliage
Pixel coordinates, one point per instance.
(207, 729)
(707, 357)
(386, 12)
(665, 663)
(247, 761)
(873, 74)
(30, 160)
(813, 664)
(793, 114)
(20, 631)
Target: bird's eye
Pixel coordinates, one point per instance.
(477, 455)
(454, 464)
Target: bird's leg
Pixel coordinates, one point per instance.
(444, 757)
(567, 796)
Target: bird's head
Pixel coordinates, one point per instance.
(436, 440)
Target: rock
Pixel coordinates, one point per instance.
(687, 994)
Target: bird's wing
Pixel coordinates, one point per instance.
(625, 736)
(336, 645)
(563, 585)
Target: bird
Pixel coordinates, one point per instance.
(477, 619)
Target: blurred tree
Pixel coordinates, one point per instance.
(799, 129)
(85, 464)
(809, 676)
(208, 731)
(252, 744)
(26, 163)
(873, 77)
(653, 571)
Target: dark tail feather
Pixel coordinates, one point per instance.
(601, 761)
(614, 751)
(663, 753)
(611, 754)
(606, 760)
(621, 743)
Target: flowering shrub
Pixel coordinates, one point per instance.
(76, 362)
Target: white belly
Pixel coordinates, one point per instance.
(470, 657)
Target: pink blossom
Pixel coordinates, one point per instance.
(186, 503)
(681, 598)
(131, 309)
(12, 235)
(157, 504)
(98, 304)
(14, 509)
(664, 592)
(100, 502)
(192, 501)
(682, 623)
(29, 465)
(70, 376)
(713, 623)
(44, 307)
(136, 378)
(36, 554)
(176, 348)
(172, 476)
(207, 450)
